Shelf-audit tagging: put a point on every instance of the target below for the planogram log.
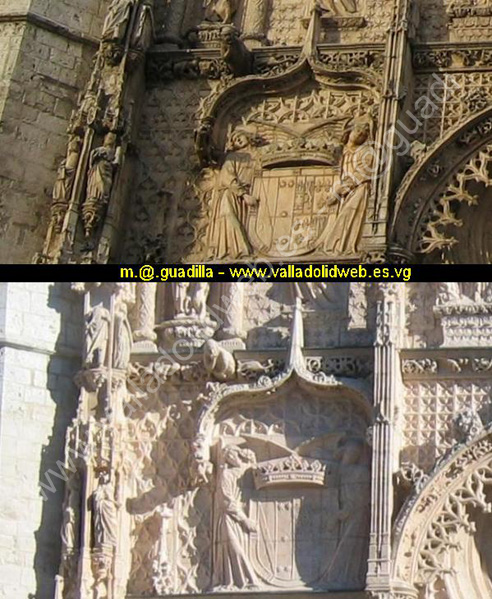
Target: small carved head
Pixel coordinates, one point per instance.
(358, 130)
(110, 140)
(243, 138)
(74, 144)
(104, 477)
(235, 456)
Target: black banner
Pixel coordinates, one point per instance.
(253, 271)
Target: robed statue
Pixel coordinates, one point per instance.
(105, 513)
(232, 200)
(117, 20)
(351, 195)
(232, 568)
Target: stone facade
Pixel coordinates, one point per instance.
(353, 129)
(40, 330)
(46, 54)
(230, 438)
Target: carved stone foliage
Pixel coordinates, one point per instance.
(470, 22)
(442, 524)
(449, 186)
(430, 411)
(441, 217)
(166, 66)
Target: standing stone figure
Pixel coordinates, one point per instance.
(220, 10)
(352, 193)
(228, 237)
(96, 337)
(117, 19)
(349, 567)
(199, 293)
(143, 33)
(341, 7)
(232, 567)
(145, 312)
(190, 299)
(65, 178)
(123, 337)
(103, 162)
(71, 516)
(181, 299)
(105, 513)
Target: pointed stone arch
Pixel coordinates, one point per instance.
(436, 193)
(435, 528)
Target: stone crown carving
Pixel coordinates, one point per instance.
(290, 470)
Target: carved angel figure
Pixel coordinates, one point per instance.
(103, 162)
(228, 237)
(105, 515)
(117, 20)
(232, 567)
(353, 191)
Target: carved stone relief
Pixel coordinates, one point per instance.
(451, 187)
(443, 524)
(429, 414)
(324, 206)
(443, 100)
(169, 121)
(270, 477)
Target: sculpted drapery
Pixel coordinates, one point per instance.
(228, 237)
(232, 567)
(352, 193)
(117, 20)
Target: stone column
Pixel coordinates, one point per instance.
(231, 332)
(144, 313)
(255, 23)
(387, 383)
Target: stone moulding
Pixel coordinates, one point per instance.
(43, 22)
(426, 529)
(449, 58)
(446, 363)
(164, 65)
